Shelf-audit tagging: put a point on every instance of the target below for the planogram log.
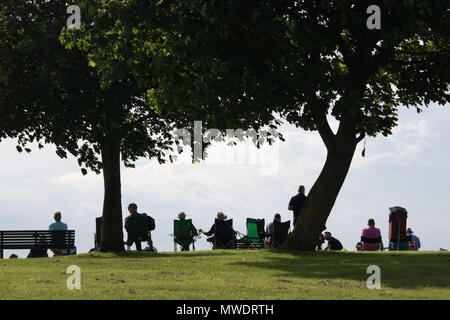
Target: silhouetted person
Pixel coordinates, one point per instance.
(270, 229)
(132, 209)
(212, 231)
(182, 216)
(57, 226)
(333, 243)
(297, 203)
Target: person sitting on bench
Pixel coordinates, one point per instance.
(269, 230)
(56, 226)
(371, 237)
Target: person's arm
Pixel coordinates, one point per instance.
(126, 223)
(291, 205)
(211, 231)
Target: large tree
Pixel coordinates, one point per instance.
(250, 62)
(53, 94)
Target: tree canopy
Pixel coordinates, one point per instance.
(257, 62)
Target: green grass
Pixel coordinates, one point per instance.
(230, 275)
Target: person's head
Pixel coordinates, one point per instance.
(409, 230)
(371, 223)
(182, 216)
(13, 256)
(277, 217)
(57, 216)
(327, 235)
(221, 216)
(301, 189)
(132, 208)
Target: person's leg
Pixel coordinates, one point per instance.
(138, 246)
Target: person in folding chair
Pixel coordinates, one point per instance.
(276, 232)
(221, 234)
(138, 227)
(254, 239)
(184, 233)
(371, 237)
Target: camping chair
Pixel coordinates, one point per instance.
(280, 233)
(224, 236)
(255, 234)
(369, 240)
(138, 229)
(182, 234)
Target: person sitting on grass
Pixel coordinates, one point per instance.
(269, 230)
(371, 237)
(182, 216)
(333, 243)
(57, 226)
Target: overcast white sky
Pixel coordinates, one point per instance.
(409, 169)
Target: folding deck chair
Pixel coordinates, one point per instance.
(138, 229)
(255, 235)
(280, 233)
(182, 235)
(224, 235)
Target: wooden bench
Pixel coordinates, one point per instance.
(37, 239)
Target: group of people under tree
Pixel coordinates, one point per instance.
(371, 239)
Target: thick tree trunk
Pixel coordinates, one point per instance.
(323, 194)
(112, 228)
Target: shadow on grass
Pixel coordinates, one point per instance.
(407, 271)
(147, 254)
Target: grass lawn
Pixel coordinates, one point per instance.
(230, 275)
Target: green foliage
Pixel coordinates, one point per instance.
(53, 93)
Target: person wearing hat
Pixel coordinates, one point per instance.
(182, 216)
(415, 241)
(212, 231)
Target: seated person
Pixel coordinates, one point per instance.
(132, 209)
(57, 225)
(269, 230)
(371, 237)
(333, 243)
(182, 216)
(212, 231)
(415, 241)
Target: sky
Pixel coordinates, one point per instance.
(410, 169)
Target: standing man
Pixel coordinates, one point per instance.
(297, 202)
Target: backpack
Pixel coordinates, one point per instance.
(151, 222)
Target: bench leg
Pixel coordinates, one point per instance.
(1, 253)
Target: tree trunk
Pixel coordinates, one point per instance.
(112, 228)
(323, 194)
